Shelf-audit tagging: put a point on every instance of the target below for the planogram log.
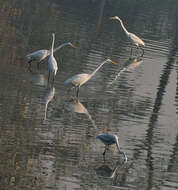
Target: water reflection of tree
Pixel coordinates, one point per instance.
(164, 78)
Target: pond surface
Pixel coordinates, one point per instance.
(47, 137)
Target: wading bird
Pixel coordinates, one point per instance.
(109, 139)
(78, 80)
(40, 55)
(132, 37)
(52, 64)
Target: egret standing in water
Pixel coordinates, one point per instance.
(40, 55)
(109, 139)
(132, 37)
(78, 80)
(52, 63)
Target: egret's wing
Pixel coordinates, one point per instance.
(136, 39)
(77, 79)
(40, 54)
(106, 138)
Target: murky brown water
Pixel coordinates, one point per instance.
(47, 138)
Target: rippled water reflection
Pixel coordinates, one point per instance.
(48, 138)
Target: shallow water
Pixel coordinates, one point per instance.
(48, 138)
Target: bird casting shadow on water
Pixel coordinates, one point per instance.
(80, 79)
(135, 40)
(110, 139)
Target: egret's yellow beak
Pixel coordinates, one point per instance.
(112, 18)
(73, 46)
(113, 62)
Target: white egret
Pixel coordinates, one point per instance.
(52, 63)
(109, 139)
(40, 55)
(78, 80)
(132, 37)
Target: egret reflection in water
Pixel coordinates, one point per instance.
(49, 95)
(74, 105)
(106, 171)
(131, 64)
(37, 79)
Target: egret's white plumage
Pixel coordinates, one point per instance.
(40, 55)
(78, 80)
(109, 139)
(52, 63)
(132, 37)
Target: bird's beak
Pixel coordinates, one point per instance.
(73, 46)
(113, 62)
(112, 18)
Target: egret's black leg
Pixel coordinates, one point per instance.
(60, 60)
(137, 49)
(48, 76)
(104, 151)
(131, 51)
(53, 77)
(38, 65)
(74, 90)
(29, 64)
(106, 147)
(78, 89)
(142, 52)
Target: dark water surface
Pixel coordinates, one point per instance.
(48, 139)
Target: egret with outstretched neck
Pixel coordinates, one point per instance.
(132, 37)
(80, 79)
(109, 139)
(40, 55)
(52, 63)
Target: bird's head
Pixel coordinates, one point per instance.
(110, 61)
(115, 18)
(72, 45)
(125, 157)
(53, 34)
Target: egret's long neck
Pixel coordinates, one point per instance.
(117, 144)
(93, 73)
(52, 47)
(62, 45)
(120, 152)
(125, 30)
